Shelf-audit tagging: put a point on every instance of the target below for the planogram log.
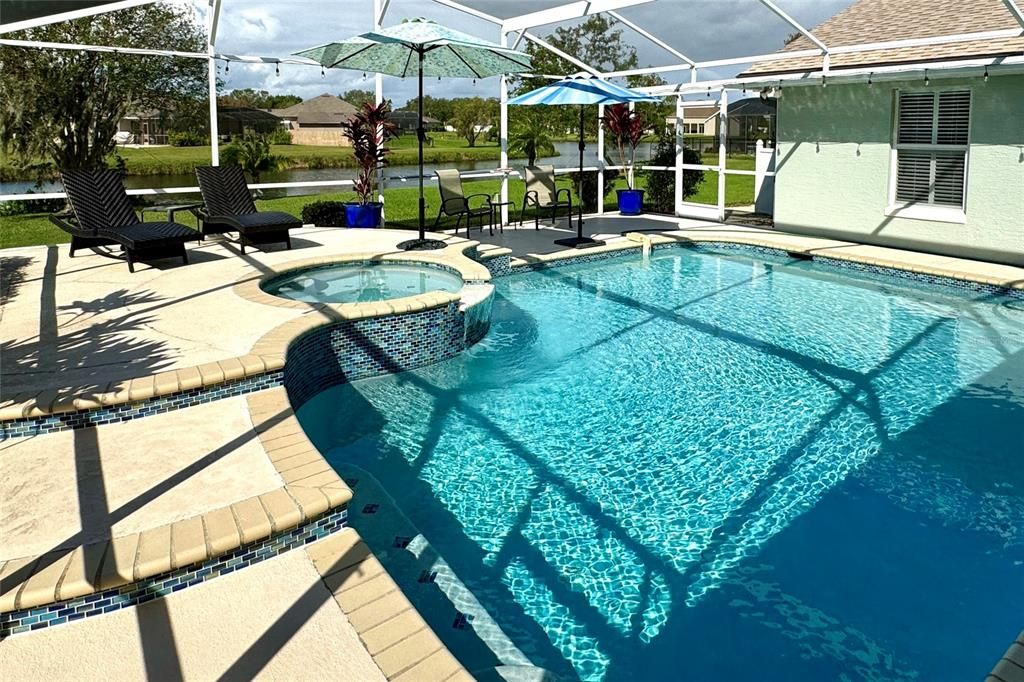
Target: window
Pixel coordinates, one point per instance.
(932, 133)
(693, 128)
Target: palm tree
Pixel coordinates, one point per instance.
(252, 153)
(530, 138)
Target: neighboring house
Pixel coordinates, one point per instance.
(698, 120)
(406, 122)
(317, 121)
(233, 121)
(892, 154)
(141, 127)
(750, 120)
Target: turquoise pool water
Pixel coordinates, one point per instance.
(709, 467)
(361, 282)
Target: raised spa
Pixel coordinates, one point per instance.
(361, 282)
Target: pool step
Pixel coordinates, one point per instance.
(1010, 667)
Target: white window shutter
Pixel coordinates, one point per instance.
(914, 176)
(917, 118)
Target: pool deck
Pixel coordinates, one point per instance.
(94, 508)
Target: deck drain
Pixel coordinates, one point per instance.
(371, 508)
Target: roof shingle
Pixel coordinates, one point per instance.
(876, 21)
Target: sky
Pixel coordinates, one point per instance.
(701, 29)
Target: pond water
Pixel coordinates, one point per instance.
(568, 154)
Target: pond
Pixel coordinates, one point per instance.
(568, 155)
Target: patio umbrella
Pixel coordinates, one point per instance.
(581, 90)
(420, 47)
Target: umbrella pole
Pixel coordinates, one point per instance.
(579, 241)
(579, 182)
(419, 136)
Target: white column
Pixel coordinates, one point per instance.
(630, 174)
(600, 159)
(211, 73)
(679, 155)
(723, 141)
(503, 135)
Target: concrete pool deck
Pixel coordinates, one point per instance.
(94, 508)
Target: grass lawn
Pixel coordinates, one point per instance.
(35, 229)
(446, 148)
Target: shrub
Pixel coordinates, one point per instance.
(252, 153)
(279, 136)
(12, 208)
(187, 138)
(661, 185)
(590, 187)
(324, 214)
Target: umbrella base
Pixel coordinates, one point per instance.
(422, 245)
(579, 242)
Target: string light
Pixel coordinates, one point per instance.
(869, 78)
(277, 69)
(323, 74)
(986, 74)
(927, 81)
(227, 66)
(824, 81)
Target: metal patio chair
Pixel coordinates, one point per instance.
(454, 202)
(542, 193)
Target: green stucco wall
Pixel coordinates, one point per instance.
(834, 157)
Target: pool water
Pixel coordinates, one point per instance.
(362, 282)
(713, 466)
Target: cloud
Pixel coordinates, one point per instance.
(701, 29)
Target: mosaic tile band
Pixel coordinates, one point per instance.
(356, 349)
(133, 594)
(499, 266)
(825, 261)
(80, 419)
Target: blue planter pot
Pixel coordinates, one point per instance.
(631, 201)
(363, 215)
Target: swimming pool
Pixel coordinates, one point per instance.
(361, 282)
(707, 466)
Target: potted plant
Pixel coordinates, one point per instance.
(626, 128)
(368, 130)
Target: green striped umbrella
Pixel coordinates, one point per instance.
(420, 47)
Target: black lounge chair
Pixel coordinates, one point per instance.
(103, 216)
(230, 208)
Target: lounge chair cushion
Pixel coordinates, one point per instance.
(264, 221)
(150, 235)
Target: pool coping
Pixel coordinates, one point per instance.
(311, 488)
(268, 352)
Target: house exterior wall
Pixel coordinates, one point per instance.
(319, 136)
(834, 168)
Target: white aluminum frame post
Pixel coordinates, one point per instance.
(213, 20)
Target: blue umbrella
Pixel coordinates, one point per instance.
(581, 90)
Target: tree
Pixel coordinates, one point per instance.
(471, 115)
(530, 137)
(252, 153)
(596, 42)
(661, 185)
(257, 99)
(358, 98)
(64, 106)
(440, 108)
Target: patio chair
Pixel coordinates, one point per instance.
(454, 202)
(230, 208)
(103, 216)
(542, 193)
